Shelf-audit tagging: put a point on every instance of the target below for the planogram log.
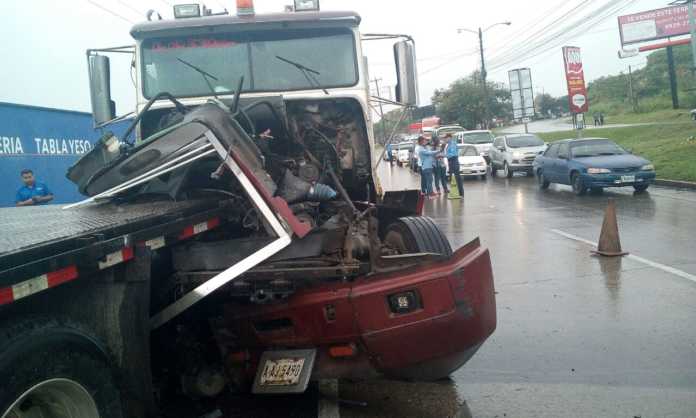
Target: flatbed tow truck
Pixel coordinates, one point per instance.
(241, 242)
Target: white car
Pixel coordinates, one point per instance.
(515, 152)
(482, 140)
(471, 163)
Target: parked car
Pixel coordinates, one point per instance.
(440, 132)
(471, 163)
(403, 153)
(515, 152)
(592, 163)
(482, 140)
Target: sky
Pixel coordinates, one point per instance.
(44, 42)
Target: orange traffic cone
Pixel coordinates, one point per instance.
(609, 242)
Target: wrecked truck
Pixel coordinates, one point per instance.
(236, 236)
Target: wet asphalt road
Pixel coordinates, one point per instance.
(577, 336)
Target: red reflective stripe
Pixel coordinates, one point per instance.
(187, 232)
(127, 253)
(213, 223)
(6, 296)
(61, 276)
(199, 228)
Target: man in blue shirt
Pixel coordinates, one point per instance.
(452, 154)
(33, 192)
(390, 157)
(426, 158)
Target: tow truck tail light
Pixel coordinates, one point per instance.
(245, 7)
(338, 351)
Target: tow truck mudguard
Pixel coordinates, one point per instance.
(419, 323)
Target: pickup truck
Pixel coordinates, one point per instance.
(240, 242)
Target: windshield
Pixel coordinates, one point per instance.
(328, 53)
(524, 141)
(477, 138)
(596, 148)
(468, 152)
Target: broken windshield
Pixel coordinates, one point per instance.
(253, 55)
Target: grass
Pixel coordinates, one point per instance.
(667, 146)
(658, 116)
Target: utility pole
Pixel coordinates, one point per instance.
(483, 81)
(381, 110)
(672, 77)
(692, 29)
(634, 103)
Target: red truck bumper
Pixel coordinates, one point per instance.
(358, 334)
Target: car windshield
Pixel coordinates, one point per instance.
(267, 60)
(595, 149)
(468, 152)
(524, 141)
(477, 138)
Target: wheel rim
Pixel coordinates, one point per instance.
(54, 398)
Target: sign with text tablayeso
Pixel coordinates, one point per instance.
(575, 77)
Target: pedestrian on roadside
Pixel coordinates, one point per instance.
(426, 159)
(389, 153)
(452, 154)
(595, 116)
(420, 143)
(601, 119)
(33, 192)
(439, 172)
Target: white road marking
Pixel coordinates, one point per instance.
(328, 399)
(645, 261)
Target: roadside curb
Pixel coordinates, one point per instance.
(676, 183)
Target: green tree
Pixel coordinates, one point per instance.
(463, 102)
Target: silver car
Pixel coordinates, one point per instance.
(517, 152)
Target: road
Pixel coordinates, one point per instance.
(560, 124)
(578, 335)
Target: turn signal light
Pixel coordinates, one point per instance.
(338, 351)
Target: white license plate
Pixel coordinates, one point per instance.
(282, 372)
(628, 179)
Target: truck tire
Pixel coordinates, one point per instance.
(51, 368)
(417, 234)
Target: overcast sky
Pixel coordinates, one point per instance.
(44, 42)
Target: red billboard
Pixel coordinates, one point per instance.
(575, 77)
(654, 24)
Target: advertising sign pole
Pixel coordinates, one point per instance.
(577, 92)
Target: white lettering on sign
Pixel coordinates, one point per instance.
(57, 146)
(11, 145)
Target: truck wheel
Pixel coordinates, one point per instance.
(417, 234)
(507, 171)
(51, 369)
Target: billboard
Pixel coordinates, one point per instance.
(654, 24)
(522, 93)
(575, 77)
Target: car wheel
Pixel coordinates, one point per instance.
(507, 172)
(640, 188)
(578, 186)
(53, 369)
(417, 234)
(543, 182)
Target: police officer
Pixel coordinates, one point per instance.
(33, 192)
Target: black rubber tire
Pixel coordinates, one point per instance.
(417, 234)
(640, 188)
(506, 169)
(541, 179)
(578, 188)
(35, 350)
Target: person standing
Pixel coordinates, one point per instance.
(452, 154)
(33, 192)
(439, 169)
(390, 157)
(601, 119)
(420, 143)
(426, 158)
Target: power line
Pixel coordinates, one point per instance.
(130, 7)
(111, 12)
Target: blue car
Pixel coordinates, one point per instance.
(592, 164)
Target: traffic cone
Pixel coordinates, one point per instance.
(454, 190)
(609, 242)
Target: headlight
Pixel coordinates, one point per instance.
(648, 167)
(598, 171)
(517, 155)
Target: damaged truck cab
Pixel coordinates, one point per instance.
(253, 134)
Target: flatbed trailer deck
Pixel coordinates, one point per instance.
(60, 245)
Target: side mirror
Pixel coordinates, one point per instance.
(103, 108)
(406, 74)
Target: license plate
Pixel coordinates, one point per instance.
(628, 179)
(282, 372)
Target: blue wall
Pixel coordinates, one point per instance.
(46, 141)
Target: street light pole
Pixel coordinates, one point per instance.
(480, 32)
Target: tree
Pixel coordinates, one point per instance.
(463, 102)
